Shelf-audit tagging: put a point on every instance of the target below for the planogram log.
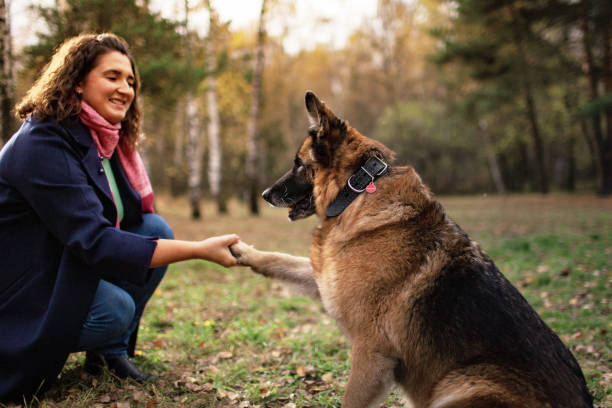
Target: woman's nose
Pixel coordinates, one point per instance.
(126, 88)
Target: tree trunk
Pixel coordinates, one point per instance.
(606, 186)
(194, 156)
(493, 163)
(194, 144)
(537, 139)
(570, 181)
(6, 75)
(177, 179)
(532, 116)
(252, 151)
(602, 147)
(214, 143)
(595, 164)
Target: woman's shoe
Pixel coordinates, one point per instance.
(120, 366)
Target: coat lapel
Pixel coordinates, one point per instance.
(90, 160)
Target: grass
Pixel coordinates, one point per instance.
(229, 338)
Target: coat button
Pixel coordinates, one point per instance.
(101, 170)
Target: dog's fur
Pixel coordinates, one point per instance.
(421, 303)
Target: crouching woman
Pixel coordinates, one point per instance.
(82, 249)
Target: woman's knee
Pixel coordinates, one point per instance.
(111, 314)
(155, 225)
(122, 310)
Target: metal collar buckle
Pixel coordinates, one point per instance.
(372, 177)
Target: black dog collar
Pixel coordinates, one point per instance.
(360, 181)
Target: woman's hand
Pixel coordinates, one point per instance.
(216, 249)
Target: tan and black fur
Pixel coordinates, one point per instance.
(422, 305)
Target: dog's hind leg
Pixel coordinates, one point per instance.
(296, 271)
(370, 379)
(486, 386)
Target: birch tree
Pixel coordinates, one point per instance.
(194, 145)
(215, 153)
(253, 136)
(491, 157)
(194, 155)
(6, 73)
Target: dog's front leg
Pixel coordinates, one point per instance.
(293, 270)
(370, 379)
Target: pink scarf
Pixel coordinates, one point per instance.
(106, 137)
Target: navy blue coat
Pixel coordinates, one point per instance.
(57, 240)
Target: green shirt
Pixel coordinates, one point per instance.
(108, 169)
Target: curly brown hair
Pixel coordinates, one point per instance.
(53, 95)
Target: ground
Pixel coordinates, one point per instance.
(229, 338)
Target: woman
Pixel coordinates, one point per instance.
(82, 249)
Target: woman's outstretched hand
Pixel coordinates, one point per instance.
(214, 249)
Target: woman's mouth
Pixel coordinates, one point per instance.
(118, 102)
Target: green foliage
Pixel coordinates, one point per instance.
(595, 107)
(523, 77)
(433, 69)
(432, 139)
(154, 41)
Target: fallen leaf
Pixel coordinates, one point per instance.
(194, 387)
(139, 395)
(300, 371)
(152, 403)
(328, 378)
(577, 335)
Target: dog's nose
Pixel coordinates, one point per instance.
(266, 195)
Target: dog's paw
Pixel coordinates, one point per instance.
(241, 252)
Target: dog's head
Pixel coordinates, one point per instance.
(321, 150)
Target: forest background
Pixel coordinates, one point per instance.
(480, 96)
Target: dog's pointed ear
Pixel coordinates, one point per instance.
(326, 129)
(319, 114)
(313, 106)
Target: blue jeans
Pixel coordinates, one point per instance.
(117, 307)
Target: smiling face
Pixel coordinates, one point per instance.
(109, 86)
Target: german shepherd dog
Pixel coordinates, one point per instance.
(422, 305)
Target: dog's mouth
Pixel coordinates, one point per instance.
(302, 208)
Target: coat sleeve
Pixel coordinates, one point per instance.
(48, 172)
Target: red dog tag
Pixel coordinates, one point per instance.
(371, 188)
